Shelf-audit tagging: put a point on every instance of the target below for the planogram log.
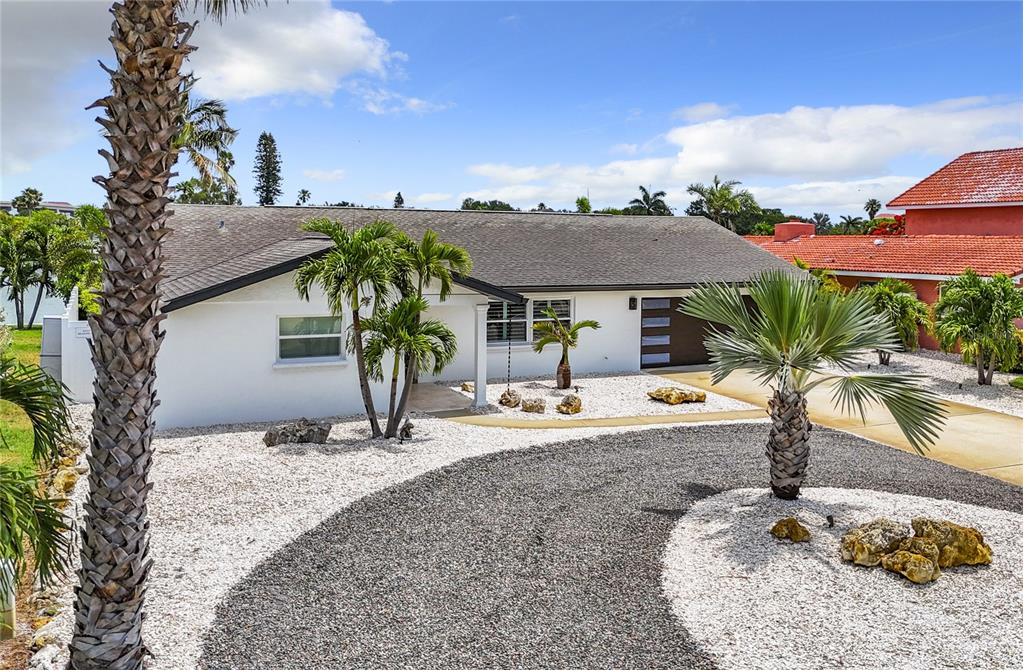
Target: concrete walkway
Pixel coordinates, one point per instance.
(976, 439)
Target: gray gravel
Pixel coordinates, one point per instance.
(549, 557)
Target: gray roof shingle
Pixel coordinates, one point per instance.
(218, 245)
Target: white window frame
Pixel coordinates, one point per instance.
(528, 342)
(309, 360)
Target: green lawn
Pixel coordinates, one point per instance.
(1017, 383)
(15, 430)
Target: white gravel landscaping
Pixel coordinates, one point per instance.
(757, 602)
(604, 395)
(946, 373)
(222, 502)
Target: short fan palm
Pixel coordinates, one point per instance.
(554, 331)
(794, 329)
(896, 300)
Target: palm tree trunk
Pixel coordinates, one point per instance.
(563, 375)
(143, 114)
(35, 308)
(788, 448)
(392, 429)
(406, 391)
(989, 377)
(19, 308)
(360, 364)
(978, 362)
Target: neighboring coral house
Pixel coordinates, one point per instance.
(968, 214)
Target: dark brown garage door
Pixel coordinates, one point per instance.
(669, 337)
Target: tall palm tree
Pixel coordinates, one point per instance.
(851, 225)
(821, 221)
(303, 196)
(357, 270)
(421, 343)
(26, 518)
(553, 331)
(872, 207)
(143, 113)
(896, 301)
(794, 330)
(651, 204)
(425, 262)
(722, 202)
(206, 131)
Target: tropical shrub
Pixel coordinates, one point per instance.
(896, 301)
(978, 315)
(554, 331)
(794, 329)
(826, 278)
(886, 226)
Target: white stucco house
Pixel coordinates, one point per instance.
(241, 346)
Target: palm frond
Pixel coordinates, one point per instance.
(27, 519)
(918, 412)
(44, 400)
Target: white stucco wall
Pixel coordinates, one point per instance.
(218, 362)
(47, 307)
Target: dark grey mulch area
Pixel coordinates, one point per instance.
(542, 558)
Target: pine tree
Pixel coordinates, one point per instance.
(399, 201)
(267, 170)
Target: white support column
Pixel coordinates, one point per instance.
(481, 357)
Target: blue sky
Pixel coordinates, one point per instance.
(815, 106)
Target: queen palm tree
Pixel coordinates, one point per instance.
(206, 131)
(794, 330)
(143, 114)
(357, 270)
(28, 519)
(651, 204)
(421, 343)
(896, 301)
(872, 207)
(722, 202)
(553, 331)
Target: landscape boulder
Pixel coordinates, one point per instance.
(299, 432)
(915, 567)
(789, 528)
(468, 387)
(570, 404)
(956, 545)
(674, 395)
(510, 398)
(534, 405)
(868, 543)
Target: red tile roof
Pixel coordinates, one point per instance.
(907, 254)
(978, 177)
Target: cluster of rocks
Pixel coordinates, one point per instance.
(302, 431)
(570, 404)
(919, 557)
(673, 395)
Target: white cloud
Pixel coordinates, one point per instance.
(821, 142)
(702, 111)
(336, 174)
(835, 197)
(41, 106)
(381, 101)
(625, 149)
(287, 48)
(429, 198)
(834, 158)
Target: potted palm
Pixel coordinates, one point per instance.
(896, 301)
(556, 332)
(794, 331)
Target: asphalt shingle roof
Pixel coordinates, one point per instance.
(215, 245)
(979, 177)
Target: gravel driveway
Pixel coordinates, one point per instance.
(549, 557)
